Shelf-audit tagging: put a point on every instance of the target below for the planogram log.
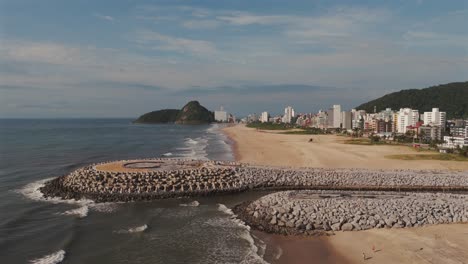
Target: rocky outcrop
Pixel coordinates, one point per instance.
(316, 212)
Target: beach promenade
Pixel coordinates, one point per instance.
(441, 243)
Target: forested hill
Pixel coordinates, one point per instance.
(451, 98)
(191, 113)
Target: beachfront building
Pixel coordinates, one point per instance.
(221, 115)
(346, 120)
(358, 119)
(406, 117)
(336, 116)
(430, 132)
(454, 142)
(459, 131)
(288, 114)
(383, 126)
(264, 117)
(435, 118)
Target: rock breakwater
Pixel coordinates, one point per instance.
(316, 212)
(164, 178)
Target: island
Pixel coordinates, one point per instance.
(192, 113)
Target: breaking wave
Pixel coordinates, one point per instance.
(33, 192)
(192, 204)
(253, 254)
(131, 230)
(53, 258)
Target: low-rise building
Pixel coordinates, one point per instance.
(429, 132)
(459, 131)
(454, 142)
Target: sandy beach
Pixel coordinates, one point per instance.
(432, 244)
(326, 151)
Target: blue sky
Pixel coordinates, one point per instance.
(122, 58)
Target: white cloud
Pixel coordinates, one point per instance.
(170, 43)
(200, 24)
(244, 19)
(104, 17)
(429, 38)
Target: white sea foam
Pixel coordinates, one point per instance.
(168, 154)
(192, 204)
(194, 148)
(33, 192)
(137, 229)
(53, 258)
(214, 128)
(252, 255)
(80, 212)
(191, 141)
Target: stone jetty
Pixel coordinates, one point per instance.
(314, 212)
(133, 180)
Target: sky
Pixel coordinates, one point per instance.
(122, 58)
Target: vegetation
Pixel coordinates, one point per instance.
(451, 98)
(437, 156)
(194, 113)
(306, 131)
(270, 126)
(191, 113)
(161, 116)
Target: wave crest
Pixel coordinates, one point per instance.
(53, 258)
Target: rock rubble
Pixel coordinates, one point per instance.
(315, 212)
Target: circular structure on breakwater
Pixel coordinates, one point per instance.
(117, 181)
(142, 165)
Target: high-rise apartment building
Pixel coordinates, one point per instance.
(406, 117)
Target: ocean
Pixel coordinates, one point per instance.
(34, 230)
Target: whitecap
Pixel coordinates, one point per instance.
(168, 154)
(192, 204)
(80, 212)
(191, 141)
(53, 258)
(137, 229)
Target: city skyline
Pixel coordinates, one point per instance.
(123, 58)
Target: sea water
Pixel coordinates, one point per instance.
(36, 230)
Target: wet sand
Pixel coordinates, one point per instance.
(298, 250)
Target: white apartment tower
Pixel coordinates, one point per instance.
(221, 115)
(288, 114)
(264, 117)
(336, 116)
(435, 118)
(406, 117)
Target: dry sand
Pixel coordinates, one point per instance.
(433, 244)
(326, 151)
(446, 244)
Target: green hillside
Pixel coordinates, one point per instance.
(451, 98)
(191, 113)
